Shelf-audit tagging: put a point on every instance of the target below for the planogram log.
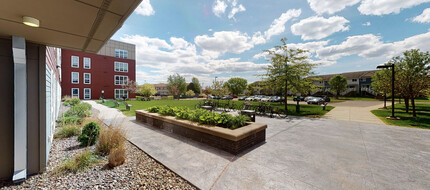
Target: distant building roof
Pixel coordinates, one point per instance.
(160, 85)
(348, 75)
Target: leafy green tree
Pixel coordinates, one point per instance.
(289, 70)
(176, 85)
(338, 84)
(207, 91)
(190, 93)
(218, 88)
(195, 85)
(381, 83)
(412, 75)
(147, 90)
(250, 90)
(236, 85)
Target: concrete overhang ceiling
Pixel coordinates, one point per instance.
(83, 25)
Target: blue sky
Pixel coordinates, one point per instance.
(226, 38)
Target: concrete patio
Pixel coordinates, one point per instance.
(299, 153)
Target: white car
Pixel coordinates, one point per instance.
(307, 98)
(265, 99)
(251, 98)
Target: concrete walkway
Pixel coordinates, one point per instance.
(358, 111)
(299, 153)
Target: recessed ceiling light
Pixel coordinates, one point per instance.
(30, 21)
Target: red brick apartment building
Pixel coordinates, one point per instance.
(87, 75)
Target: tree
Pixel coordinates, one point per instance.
(195, 85)
(381, 83)
(236, 85)
(207, 91)
(250, 90)
(217, 88)
(176, 85)
(190, 93)
(130, 86)
(289, 70)
(147, 90)
(338, 84)
(412, 75)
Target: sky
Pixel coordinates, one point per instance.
(226, 38)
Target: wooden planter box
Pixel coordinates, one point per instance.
(233, 141)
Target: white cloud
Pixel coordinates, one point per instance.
(315, 28)
(219, 8)
(145, 8)
(330, 6)
(180, 56)
(371, 46)
(236, 9)
(223, 42)
(367, 24)
(278, 25)
(383, 7)
(423, 17)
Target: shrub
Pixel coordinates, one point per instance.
(66, 98)
(110, 138)
(153, 109)
(79, 162)
(90, 134)
(67, 131)
(116, 156)
(79, 110)
(69, 120)
(75, 101)
(202, 116)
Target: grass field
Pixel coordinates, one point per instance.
(421, 121)
(305, 110)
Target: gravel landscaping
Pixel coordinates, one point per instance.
(138, 172)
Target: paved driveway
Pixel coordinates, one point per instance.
(358, 111)
(299, 153)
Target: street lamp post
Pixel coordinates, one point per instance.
(392, 87)
(103, 97)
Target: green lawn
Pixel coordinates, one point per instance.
(421, 121)
(305, 110)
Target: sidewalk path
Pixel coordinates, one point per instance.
(299, 153)
(358, 111)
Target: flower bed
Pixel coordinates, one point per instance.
(231, 140)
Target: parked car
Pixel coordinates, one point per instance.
(242, 98)
(265, 99)
(307, 98)
(226, 98)
(251, 98)
(299, 98)
(316, 100)
(232, 95)
(325, 98)
(216, 97)
(210, 97)
(275, 99)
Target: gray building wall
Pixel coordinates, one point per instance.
(109, 49)
(36, 111)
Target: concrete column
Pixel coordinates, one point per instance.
(20, 109)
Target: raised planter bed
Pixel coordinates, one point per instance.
(230, 140)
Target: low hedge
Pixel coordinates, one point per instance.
(202, 116)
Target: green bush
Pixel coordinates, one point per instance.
(90, 134)
(67, 100)
(202, 116)
(67, 131)
(69, 120)
(79, 162)
(79, 110)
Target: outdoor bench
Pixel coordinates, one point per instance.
(127, 106)
(116, 103)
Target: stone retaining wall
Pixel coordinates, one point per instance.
(232, 141)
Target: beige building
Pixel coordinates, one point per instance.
(119, 49)
(161, 89)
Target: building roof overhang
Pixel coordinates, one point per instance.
(83, 25)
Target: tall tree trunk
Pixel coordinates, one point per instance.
(385, 101)
(406, 104)
(400, 99)
(285, 96)
(413, 107)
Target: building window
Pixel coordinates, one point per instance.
(120, 93)
(120, 53)
(354, 80)
(120, 80)
(75, 61)
(75, 78)
(87, 93)
(87, 78)
(75, 92)
(87, 63)
(121, 67)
